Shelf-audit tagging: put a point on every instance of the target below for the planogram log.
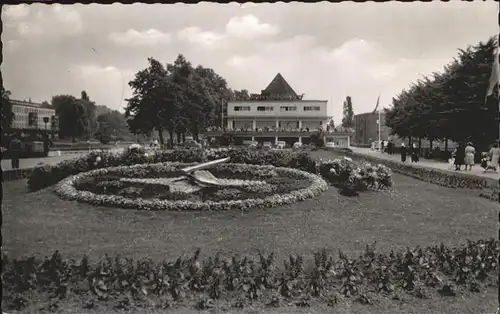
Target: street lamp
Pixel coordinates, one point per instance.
(45, 120)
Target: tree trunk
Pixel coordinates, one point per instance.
(171, 140)
(420, 146)
(160, 135)
(183, 137)
(446, 145)
(430, 142)
(178, 137)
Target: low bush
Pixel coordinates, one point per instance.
(190, 281)
(436, 176)
(344, 175)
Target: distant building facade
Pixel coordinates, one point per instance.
(278, 114)
(29, 116)
(366, 128)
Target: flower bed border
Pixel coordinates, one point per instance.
(435, 176)
(67, 190)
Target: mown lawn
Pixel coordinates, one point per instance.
(412, 213)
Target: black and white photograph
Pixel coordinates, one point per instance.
(251, 157)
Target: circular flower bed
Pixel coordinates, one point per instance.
(150, 187)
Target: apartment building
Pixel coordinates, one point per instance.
(278, 114)
(30, 116)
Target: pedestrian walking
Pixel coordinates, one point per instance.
(494, 155)
(414, 153)
(403, 152)
(15, 150)
(382, 144)
(390, 148)
(459, 157)
(470, 153)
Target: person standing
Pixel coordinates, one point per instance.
(414, 153)
(494, 154)
(15, 150)
(390, 148)
(382, 144)
(459, 157)
(470, 153)
(403, 152)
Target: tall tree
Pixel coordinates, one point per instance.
(348, 113)
(444, 105)
(46, 104)
(154, 104)
(240, 95)
(72, 118)
(7, 113)
(90, 114)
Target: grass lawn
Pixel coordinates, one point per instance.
(412, 213)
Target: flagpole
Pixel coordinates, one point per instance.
(379, 142)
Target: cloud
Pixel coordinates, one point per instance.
(15, 12)
(248, 26)
(12, 45)
(196, 35)
(357, 68)
(321, 50)
(133, 38)
(59, 20)
(107, 85)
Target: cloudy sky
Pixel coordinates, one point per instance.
(327, 51)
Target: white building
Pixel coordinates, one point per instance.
(30, 116)
(278, 115)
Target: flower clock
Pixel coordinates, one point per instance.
(163, 186)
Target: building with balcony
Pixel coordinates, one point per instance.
(29, 116)
(278, 114)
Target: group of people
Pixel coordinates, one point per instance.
(413, 151)
(464, 155)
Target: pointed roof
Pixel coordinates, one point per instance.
(279, 86)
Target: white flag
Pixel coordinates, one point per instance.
(494, 77)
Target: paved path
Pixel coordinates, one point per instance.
(476, 170)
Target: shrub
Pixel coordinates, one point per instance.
(344, 174)
(318, 139)
(256, 279)
(441, 177)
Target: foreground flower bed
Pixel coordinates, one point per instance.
(68, 188)
(346, 174)
(123, 283)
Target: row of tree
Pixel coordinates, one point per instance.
(452, 104)
(78, 118)
(82, 118)
(178, 99)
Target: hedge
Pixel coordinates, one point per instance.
(436, 176)
(45, 176)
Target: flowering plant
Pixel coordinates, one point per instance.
(344, 173)
(67, 190)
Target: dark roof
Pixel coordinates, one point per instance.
(279, 86)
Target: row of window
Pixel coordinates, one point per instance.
(282, 108)
(24, 109)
